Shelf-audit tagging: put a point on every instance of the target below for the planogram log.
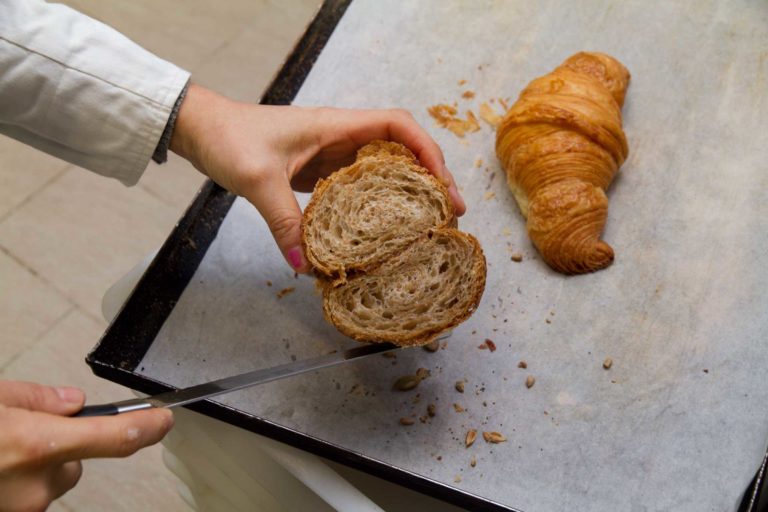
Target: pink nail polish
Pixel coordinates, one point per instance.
(295, 258)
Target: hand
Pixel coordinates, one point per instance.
(261, 152)
(41, 448)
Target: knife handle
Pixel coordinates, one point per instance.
(97, 410)
(134, 404)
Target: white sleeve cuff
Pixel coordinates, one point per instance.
(77, 89)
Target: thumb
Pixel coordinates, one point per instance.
(277, 203)
(36, 397)
(108, 436)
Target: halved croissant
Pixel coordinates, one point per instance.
(561, 144)
(381, 237)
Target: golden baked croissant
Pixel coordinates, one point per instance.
(561, 144)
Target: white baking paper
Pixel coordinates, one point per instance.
(679, 422)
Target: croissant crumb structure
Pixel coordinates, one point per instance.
(391, 266)
(561, 144)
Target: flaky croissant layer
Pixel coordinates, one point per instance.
(561, 144)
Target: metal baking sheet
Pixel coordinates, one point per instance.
(679, 421)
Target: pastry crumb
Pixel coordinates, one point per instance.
(517, 257)
(494, 437)
(446, 116)
(530, 381)
(489, 195)
(406, 421)
(607, 363)
(468, 95)
(462, 82)
(522, 364)
(457, 479)
(488, 115)
(479, 162)
(469, 439)
(458, 408)
(285, 291)
(473, 461)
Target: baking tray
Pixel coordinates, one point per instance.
(132, 333)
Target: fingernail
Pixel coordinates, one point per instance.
(69, 394)
(169, 420)
(295, 258)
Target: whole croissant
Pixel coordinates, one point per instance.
(561, 144)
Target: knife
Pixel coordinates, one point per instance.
(199, 392)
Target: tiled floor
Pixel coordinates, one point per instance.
(66, 235)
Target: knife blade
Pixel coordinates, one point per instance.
(214, 388)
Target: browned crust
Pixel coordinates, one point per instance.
(561, 145)
(418, 338)
(379, 151)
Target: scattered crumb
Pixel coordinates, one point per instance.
(468, 95)
(269, 283)
(458, 408)
(432, 346)
(431, 410)
(530, 381)
(406, 421)
(462, 82)
(406, 383)
(457, 479)
(489, 195)
(522, 364)
(479, 162)
(423, 419)
(459, 386)
(469, 439)
(493, 437)
(487, 344)
(517, 257)
(504, 104)
(548, 320)
(607, 363)
(446, 117)
(473, 461)
(422, 373)
(285, 291)
(389, 355)
(705, 370)
(488, 115)
(506, 232)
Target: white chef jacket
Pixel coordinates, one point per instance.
(79, 90)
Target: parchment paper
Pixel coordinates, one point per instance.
(680, 420)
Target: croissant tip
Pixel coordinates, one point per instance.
(600, 256)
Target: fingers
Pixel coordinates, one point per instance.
(276, 202)
(107, 436)
(400, 126)
(63, 478)
(404, 129)
(62, 401)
